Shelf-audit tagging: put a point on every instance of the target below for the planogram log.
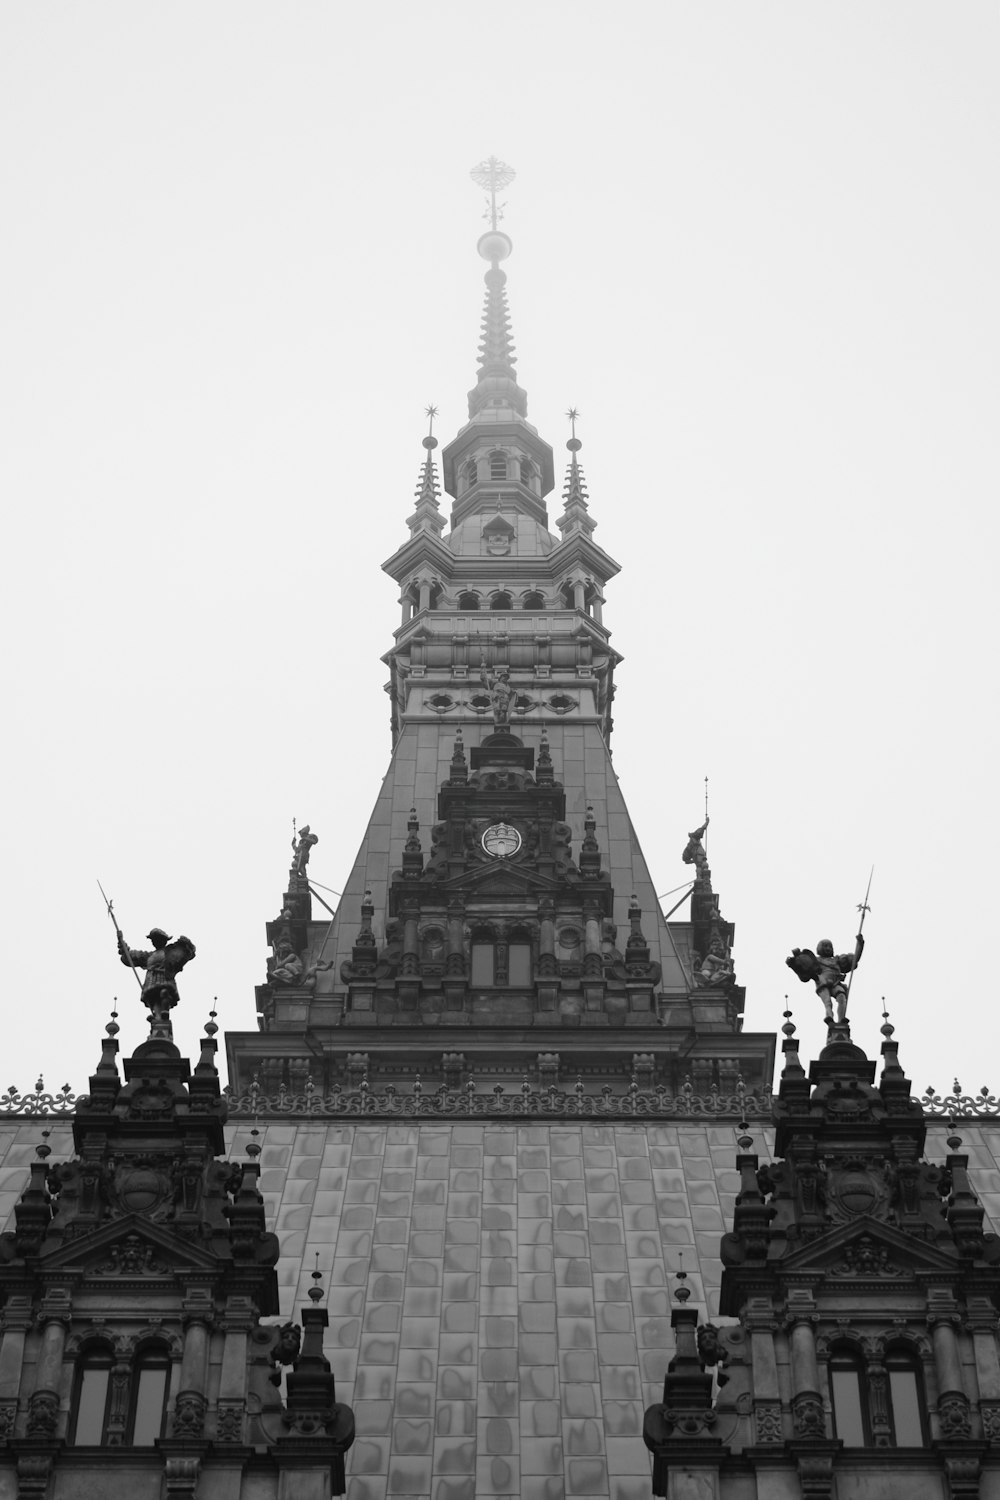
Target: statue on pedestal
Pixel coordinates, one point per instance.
(497, 684)
(827, 970)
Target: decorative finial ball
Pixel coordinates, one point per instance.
(494, 245)
(430, 443)
(574, 445)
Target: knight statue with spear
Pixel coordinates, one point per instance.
(829, 970)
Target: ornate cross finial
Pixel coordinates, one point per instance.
(572, 414)
(430, 412)
(493, 175)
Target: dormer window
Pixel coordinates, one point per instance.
(498, 467)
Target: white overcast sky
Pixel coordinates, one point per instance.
(755, 243)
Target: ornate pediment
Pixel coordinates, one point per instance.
(130, 1247)
(868, 1248)
(495, 879)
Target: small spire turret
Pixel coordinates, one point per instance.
(427, 511)
(575, 516)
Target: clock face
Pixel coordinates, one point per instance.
(501, 840)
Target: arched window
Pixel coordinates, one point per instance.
(91, 1392)
(859, 1409)
(150, 1382)
(99, 1403)
(498, 466)
(483, 958)
(436, 592)
(527, 471)
(534, 600)
(501, 600)
(567, 594)
(468, 601)
(519, 958)
(471, 473)
(849, 1398)
(906, 1398)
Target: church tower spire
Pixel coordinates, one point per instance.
(500, 882)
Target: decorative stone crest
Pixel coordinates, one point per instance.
(189, 1414)
(767, 1415)
(229, 1422)
(866, 1258)
(808, 1417)
(43, 1414)
(953, 1414)
(501, 840)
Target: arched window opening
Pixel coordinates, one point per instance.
(150, 1380)
(906, 1399)
(567, 596)
(483, 958)
(501, 600)
(468, 601)
(848, 1396)
(91, 1391)
(519, 958)
(498, 466)
(527, 472)
(471, 473)
(534, 600)
(436, 592)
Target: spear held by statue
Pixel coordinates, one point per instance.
(122, 946)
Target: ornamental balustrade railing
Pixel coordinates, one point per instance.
(471, 1102)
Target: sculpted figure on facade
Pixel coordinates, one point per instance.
(286, 966)
(496, 681)
(694, 853)
(302, 847)
(827, 970)
(716, 967)
(162, 963)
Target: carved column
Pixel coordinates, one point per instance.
(579, 597)
(878, 1394)
(546, 938)
(233, 1377)
(981, 1319)
(760, 1324)
(411, 947)
(121, 1372)
(425, 596)
(191, 1403)
(43, 1407)
(953, 1403)
(16, 1322)
(455, 963)
(808, 1417)
(593, 966)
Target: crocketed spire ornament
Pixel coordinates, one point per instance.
(575, 516)
(427, 511)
